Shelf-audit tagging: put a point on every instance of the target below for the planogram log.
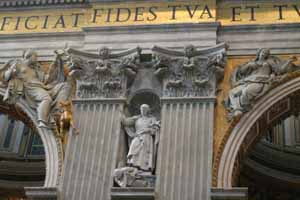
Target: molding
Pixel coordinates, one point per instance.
(260, 28)
(229, 194)
(246, 39)
(41, 35)
(41, 193)
(13, 5)
(118, 193)
(103, 100)
(206, 26)
(188, 99)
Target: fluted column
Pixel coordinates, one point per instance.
(90, 156)
(185, 151)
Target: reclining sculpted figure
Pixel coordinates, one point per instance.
(251, 80)
(42, 91)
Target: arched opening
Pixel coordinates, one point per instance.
(40, 150)
(22, 157)
(271, 168)
(251, 146)
(144, 97)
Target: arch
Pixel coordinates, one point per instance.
(52, 146)
(148, 96)
(242, 128)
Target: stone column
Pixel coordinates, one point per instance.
(190, 79)
(100, 97)
(90, 156)
(185, 151)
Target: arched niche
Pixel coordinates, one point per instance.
(52, 145)
(145, 96)
(277, 103)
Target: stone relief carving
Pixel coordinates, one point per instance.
(43, 91)
(253, 79)
(105, 74)
(190, 73)
(143, 134)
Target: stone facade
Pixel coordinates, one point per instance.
(184, 71)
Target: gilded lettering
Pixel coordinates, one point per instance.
(76, 18)
(236, 11)
(280, 11)
(192, 12)
(29, 26)
(206, 11)
(153, 13)
(252, 11)
(174, 8)
(139, 11)
(5, 22)
(96, 15)
(297, 9)
(18, 23)
(60, 22)
(125, 19)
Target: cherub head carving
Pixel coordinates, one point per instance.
(104, 52)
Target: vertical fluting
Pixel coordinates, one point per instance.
(90, 156)
(185, 150)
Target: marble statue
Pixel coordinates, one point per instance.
(253, 79)
(142, 131)
(42, 91)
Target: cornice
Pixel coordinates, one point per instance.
(38, 3)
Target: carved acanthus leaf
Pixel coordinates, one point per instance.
(192, 72)
(104, 74)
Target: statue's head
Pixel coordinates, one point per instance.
(263, 54)
(145, 109)
(104, 52)
(30, 56)
(189, 50)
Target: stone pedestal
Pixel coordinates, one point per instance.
(41, 193)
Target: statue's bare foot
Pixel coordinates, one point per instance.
(42, 125)
(237, 113)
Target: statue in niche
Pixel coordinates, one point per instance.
(42, 91)
(253, 79)
(142, 131)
